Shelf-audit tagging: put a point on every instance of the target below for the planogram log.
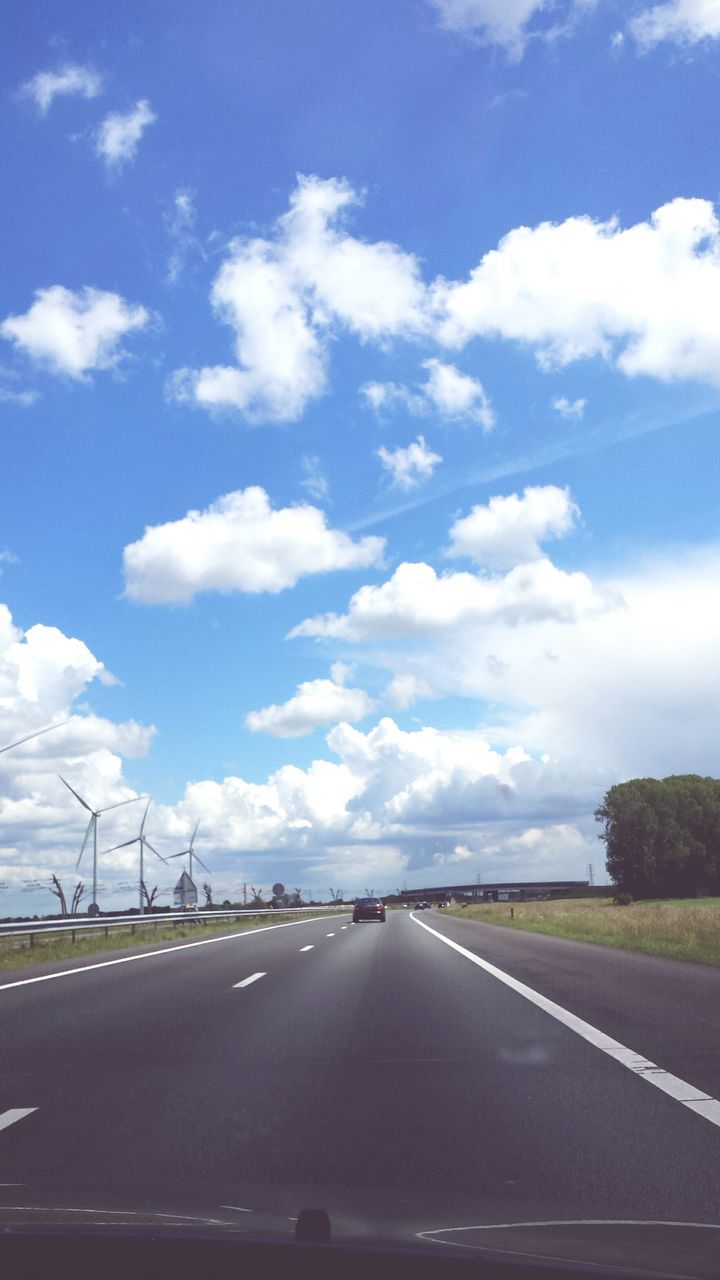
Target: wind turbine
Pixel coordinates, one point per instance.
(191, 854)
(93, 909)
(142, 840)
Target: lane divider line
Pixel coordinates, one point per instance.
(329, 935)
(308, 948)
(246, 983)
(9, 1117)
(694, 1099)
(162, 951)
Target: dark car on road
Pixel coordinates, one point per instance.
(368, 909)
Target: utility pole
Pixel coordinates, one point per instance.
(591, 874)
(245, 895)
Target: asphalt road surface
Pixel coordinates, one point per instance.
(374, 1064)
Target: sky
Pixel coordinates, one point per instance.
(359, 394)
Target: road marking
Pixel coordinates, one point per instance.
(343, 926)
(307, 948)
(237, 1208)
(329, 935)
(148, 955)
(246, 983)
(691, 1097)
(15, 1113)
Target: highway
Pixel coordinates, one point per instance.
(370, 1066)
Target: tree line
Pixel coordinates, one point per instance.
(662, 836)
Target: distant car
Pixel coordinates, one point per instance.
(368, 909)
(422, 906)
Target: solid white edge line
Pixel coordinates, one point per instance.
(308, 948)
(164, 951)
(246, 983)
(15, 1113)
(687, 1094)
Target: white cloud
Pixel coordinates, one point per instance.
(408, 467)
(682, 21)
(457, 396)
(572, 409)
(405, 689)
(119, 135)
(508, 531)
(415, 601)
(239, 543)
(180, 224)
(286, 295)
(314, 481)
(644, 298)
(452, 395)
(508, 23)
(74, 332)
(71, 79)
(315, 703)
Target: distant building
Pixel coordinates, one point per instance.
(501, 891)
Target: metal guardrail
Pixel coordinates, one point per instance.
(78, 924)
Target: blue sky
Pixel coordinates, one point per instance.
(359, 393)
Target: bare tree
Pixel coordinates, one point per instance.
(78, 895)
(256, 899)
(59, 892)
(336, 895)
(148, 894)
(207, 890)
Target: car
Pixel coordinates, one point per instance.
(422, 906)
(368, 909)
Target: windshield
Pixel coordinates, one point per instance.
(359, 371)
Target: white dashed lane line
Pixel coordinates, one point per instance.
(15, 1113)
(307, 948)
(246, 981)
(329, 935)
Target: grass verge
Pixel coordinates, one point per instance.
(16, 953)
(681, 929)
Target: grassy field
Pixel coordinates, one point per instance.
(15, 953)
(684, 929)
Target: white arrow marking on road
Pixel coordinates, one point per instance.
(691, 1097)
(15, 1113)
(246, 983)
(307, 948)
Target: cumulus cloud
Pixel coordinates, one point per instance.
(408, 467)
(74, 333)
(680, 21)
(239, 543)
(507, 23)
(405, 689)
(285, 295)
(643, 298)
(447, 393)
(572, 409)
(457, 396)
(119, 135)
(314, 703)
(416, 601)
(46, 86)
(508, 531)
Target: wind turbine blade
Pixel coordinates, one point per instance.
(87, 833)
(37, 734)
(202, 864)
(119, 803)
(154, 850)
(197, 824)
(124, 845)
(177, 855)
(77, 797)
(142, 824)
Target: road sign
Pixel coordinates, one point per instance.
(278, 890)
(185, 893)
